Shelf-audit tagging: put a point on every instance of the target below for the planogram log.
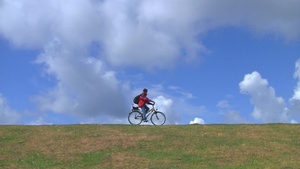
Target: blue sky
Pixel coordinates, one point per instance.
(77, 62)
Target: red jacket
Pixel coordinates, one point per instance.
(143, 100)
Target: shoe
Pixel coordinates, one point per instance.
(145, 120)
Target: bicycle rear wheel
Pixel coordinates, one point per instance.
(158, 118)
(135, 118)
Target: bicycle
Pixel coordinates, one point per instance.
(135, 117)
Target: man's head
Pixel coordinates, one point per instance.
(145, 90)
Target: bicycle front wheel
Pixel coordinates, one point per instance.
(158, 118)
(135, 118)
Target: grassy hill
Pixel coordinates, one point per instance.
(126, 146)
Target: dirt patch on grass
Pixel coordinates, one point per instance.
(68, 144)
(122, 160)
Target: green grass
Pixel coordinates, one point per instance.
(127, 146)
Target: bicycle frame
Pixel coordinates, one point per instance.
(148, 113)
(151, 111)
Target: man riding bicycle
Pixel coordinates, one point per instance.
(142, 103)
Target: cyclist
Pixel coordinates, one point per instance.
(142, 103)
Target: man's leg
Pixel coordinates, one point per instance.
(147, 109)
(144, 112)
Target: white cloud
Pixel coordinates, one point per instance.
(8, 116)
(267, 107)
(197, 121)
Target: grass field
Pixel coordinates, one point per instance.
(126, 146)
